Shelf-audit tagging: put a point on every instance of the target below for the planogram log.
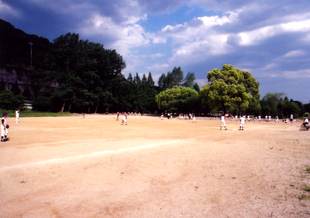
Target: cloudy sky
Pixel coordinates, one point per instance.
(268, 38)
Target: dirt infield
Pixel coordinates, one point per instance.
(96, 167)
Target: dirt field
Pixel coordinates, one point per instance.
(96, 167)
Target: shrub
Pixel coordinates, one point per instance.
(42, 103)
(10, 101)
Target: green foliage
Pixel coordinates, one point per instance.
(10, 101)
(83, 71)
(229, 88)
(42, 103)
(173, 78)
(174, 94)
(189, 80)
(307, 188)
(197, 88)
(304, 197)
(150, 80)
(273, 104)
(188, 105)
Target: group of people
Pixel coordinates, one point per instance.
(241, 126)
(267, 119)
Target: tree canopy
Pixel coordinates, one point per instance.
(175, 93)
(83, 70)
(228, 88)
(173, 78)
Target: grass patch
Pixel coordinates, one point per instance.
(308, 169)
(304, 197)
(31, 113)
(307, 188)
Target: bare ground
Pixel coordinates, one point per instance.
(96, 167)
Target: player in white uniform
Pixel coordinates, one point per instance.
(194, 118)
(4, 129)
(241, 127)
(223, 122)
(277, 119)
(17, 115)
(305, 122)
(124, 120)
(291, 118)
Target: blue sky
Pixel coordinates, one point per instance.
(268, 38)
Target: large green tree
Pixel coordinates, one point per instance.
(175, 93)
(173, 78)
(82, 70)
(229, 87)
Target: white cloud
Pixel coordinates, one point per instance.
(300, 26)
(219, 21)
(5, 9)
(294, 53)
(159, 67)
(305, 73)
(257, 35)
(159, 40)
(122, 37)
(193, 44)
(157, 55)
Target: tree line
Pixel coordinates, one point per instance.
(76, 75)
(229, 91)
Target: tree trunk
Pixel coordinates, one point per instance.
(96, 107)
(88, 109)
(69, 106)
(63, 107)
(107, 109)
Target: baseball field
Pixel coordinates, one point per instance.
(97, 167)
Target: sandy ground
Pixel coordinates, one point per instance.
(96, 167)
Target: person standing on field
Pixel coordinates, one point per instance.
(223, 122)
(194, 119)
(277, 119)
(17, 115)
(306, 122)
(241, 127)
(124, 120)
(4, 128)
(291, 118)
